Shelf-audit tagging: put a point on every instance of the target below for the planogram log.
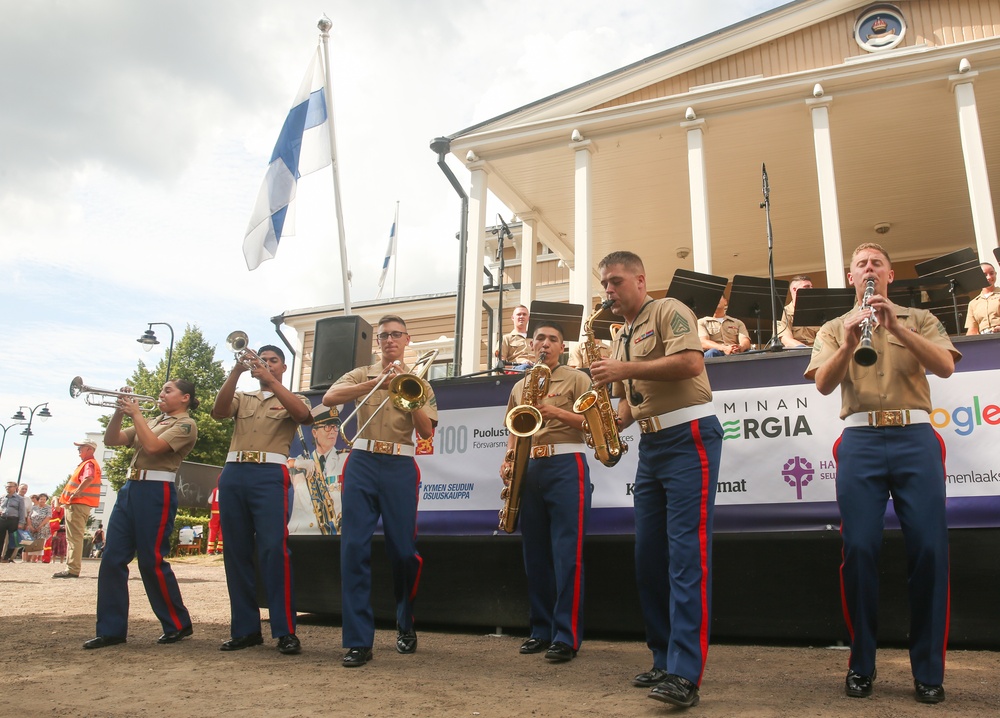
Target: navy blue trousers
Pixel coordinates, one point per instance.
(140, 526)
(674, 498)
(255, 503)
(906, 462)
(555, 505)
(387, 486)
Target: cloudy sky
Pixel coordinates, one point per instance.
(134, 137)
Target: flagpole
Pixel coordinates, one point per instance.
(395, 262)
(324, 26)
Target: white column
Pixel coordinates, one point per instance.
(976, 175)
(472, 319)
(701, 241)
(580, 274)
(529, 259)
(829, 209)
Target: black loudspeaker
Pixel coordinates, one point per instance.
(339, 345)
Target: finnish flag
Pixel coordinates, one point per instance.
(302, 147)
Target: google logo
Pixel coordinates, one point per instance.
(966, 418)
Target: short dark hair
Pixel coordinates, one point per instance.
(391, 318)
(629, 260)
(801, 278)
(550, 325)
(272, 348)
(187, 387)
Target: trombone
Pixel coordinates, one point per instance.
(110, 399)
(408, 392)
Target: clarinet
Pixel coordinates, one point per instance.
(865, 354)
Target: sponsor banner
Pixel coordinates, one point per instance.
(777, 471)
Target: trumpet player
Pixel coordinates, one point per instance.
(658, 367)
(888, 448)
(143, 517)
(554, 504)
(254, 488)
(380, 478)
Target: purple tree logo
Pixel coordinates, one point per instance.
(797, 472)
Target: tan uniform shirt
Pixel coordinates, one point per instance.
(391, 424)
(663, 327)
(262, 424)
(897, 380)
(578, 358)
(984, 312)
(566, 385)
(787, 328)
(180, 431)
(515, 349)
(727, 330)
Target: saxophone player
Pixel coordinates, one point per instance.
(554, 505)
(659, 369)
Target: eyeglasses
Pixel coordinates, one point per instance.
(395, 335)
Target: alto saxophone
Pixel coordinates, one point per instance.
(600, 422)
(523, 421)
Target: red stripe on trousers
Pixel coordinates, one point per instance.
(161, 580)
(703, 542)
(420, 559)
(577, 578)
(286, 564)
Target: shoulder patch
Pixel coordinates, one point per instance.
(186, 427)
(679, 324)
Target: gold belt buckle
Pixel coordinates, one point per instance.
(135, 475)
(541, 451)
(255, 457)
(383, 447)
(650, 425)
(891, 417)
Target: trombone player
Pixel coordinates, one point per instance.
(380, 479)
(554, 504)
(254, 487)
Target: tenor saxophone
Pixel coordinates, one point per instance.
(523, 421)
(600, 422)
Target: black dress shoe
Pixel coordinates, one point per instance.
(102, 641)
(677, 691)
(65, 574)
(857, 685)
(406, 641)
(653, 677)
(289, 645)
(534, 645)
(559, 652)
(356, 657)
(927, 693)
(175, 636)
(241, 642)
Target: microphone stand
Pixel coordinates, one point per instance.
(775, 344)
(500, 232)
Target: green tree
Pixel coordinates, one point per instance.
(194, 360)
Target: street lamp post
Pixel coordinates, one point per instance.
(3, 439)
(19, 416)
(149, 340)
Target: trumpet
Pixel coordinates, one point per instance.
(238, 342)
(110, 399)
(407, 392)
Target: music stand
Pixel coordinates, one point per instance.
(750, 298)
(700, 292)
(996, 253)
(569, 317)
(960, 269)
(938, 303)
(911, 292)
(815, 307)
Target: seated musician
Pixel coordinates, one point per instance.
(721, 334)
(793, 336)
(984, 309)
(515, 348)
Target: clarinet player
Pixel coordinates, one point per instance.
(888, 448)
